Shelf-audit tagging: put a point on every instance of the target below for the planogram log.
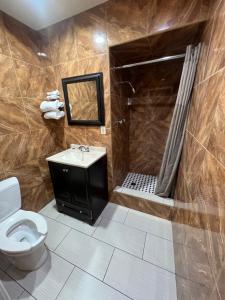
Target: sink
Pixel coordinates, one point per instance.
(76, 157)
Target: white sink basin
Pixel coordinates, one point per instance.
(75, 157)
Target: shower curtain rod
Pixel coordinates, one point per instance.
(164, 58)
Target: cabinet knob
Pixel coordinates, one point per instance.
(65, 170)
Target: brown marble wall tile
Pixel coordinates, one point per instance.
(12, 116)
(9, 150)
(146, 206)
(39, 197)
(28, 175)
(91, 32)
(205, 44)
(150, 115)
(202, 162)
(76, 135)
(4, 46)
(189, 290)
(216, 138)
(126, 20)
(167, 14)
(216, 54)
(193, 263)
(48, 188)
(58, 135)
(191, 171)
(8, 81)
(25, 43)
(64, 70)
(26, 139)
(63, 41)
(204, 102)
(120, 132)
(162, 44)
(211, 180)
(34, 81)
(99, 63)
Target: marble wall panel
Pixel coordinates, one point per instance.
(146, 206)
(126, 20)
(8, 81)
(91, 32)
(4, 46)
(25, 43)
(166, 43)
(167, 14)
(63, 41)
(202, 163)
(12, 116)
(150, 115)
(26, 138)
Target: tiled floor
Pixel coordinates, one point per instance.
(126, 255)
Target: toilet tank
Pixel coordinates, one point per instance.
(10, 197)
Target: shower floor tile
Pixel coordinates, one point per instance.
(140, 182)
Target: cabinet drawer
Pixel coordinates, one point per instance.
(76, 207)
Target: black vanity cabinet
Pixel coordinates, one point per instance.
(80, 192)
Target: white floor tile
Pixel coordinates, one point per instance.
(86, 252)
(115, 212)
(77, 224)
(151, 224)
(50, 210)
(159, 252)
(81, 286)
(121, 236)
(140, 280)
(56, 233)
(46, 282)
(26, 296)
(4, 263)
(10, 287)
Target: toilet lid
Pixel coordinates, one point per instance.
(10, 245)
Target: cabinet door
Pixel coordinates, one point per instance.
(61, 178)
(79, 186)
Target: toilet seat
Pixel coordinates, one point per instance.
(10, 245)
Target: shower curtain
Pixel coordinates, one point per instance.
(175, 137)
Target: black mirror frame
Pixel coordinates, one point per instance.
(98, 78)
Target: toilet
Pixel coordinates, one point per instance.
(22, 233)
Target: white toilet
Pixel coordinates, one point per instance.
(22, 233)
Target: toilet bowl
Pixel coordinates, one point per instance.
(22, 233)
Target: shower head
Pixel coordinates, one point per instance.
(128, 82)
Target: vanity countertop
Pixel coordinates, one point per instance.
(77, 158)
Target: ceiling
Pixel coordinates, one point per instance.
(39, 14)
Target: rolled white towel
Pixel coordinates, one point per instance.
(53, 97)
(56, 92)
(56, 115)
(51, 106)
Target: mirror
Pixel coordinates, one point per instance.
(84, 99)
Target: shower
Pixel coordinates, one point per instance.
(129, 83)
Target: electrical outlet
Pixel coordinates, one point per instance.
(103, 130)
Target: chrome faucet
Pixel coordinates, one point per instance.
(84, 148)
